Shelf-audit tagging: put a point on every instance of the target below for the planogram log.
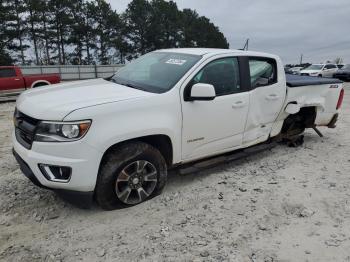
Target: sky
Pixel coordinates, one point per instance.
(318, 29)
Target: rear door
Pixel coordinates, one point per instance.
(329, 70)
(9, 81)
(268, 91)
(211, 127)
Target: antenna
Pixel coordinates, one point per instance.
(246, 45)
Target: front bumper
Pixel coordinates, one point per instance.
(80, 199)
(26, 170)
(83, 159)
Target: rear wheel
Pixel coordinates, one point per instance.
(129, 175)
(40, 84)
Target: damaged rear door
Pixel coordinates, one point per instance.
(267, 95)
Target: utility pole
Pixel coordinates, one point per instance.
(301, 59)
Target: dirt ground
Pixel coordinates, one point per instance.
(284, 204)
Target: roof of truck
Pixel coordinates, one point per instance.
(212, 51)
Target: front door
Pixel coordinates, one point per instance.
(329, 70)
(211, 127)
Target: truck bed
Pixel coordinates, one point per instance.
(297, 80)
(320, 93)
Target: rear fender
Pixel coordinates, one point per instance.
(40, 82)
(318, 102)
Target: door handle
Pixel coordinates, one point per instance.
(272, 97)
(17, 79)
(238, 104)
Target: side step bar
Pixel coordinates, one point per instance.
(214, 161)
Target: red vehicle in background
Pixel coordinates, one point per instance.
(12, 81)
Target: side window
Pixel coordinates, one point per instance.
(330, 66)
(7, 72)
(263, 72)
(223, 74)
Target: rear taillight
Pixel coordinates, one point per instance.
(340, 100)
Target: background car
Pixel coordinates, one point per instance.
(321, 70)
(288, 71)
(12, 81)
(296, 70)
(343, 73)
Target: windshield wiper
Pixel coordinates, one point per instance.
(112, 80)
(133, 86)
(128, 84)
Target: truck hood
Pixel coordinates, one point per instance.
(57, 101)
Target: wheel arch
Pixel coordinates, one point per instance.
(159, 141)
(40, 83)
(296, 123)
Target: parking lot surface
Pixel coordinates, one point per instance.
(284, 204)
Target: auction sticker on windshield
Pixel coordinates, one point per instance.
(174, 61)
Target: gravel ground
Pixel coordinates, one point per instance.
(284, 204)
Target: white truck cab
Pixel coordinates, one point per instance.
(115, 138)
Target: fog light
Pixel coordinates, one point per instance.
(56, 173)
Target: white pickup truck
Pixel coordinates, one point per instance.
(115, 139)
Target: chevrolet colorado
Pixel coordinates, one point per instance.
(114, 139)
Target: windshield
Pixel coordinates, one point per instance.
(314, 67)
(346, 67)
(155, 72)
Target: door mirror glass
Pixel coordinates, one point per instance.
(202, 91)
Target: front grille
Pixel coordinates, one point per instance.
(24, 128)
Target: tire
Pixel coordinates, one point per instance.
(122, 183)
(320, 75)
(40, 84)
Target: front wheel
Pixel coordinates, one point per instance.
(129, 175)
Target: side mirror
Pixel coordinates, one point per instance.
(292, 109)
(201, 91)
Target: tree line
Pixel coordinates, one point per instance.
(91, 32)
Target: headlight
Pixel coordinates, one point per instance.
(61, 131)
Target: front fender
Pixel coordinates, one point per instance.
(113, 123)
